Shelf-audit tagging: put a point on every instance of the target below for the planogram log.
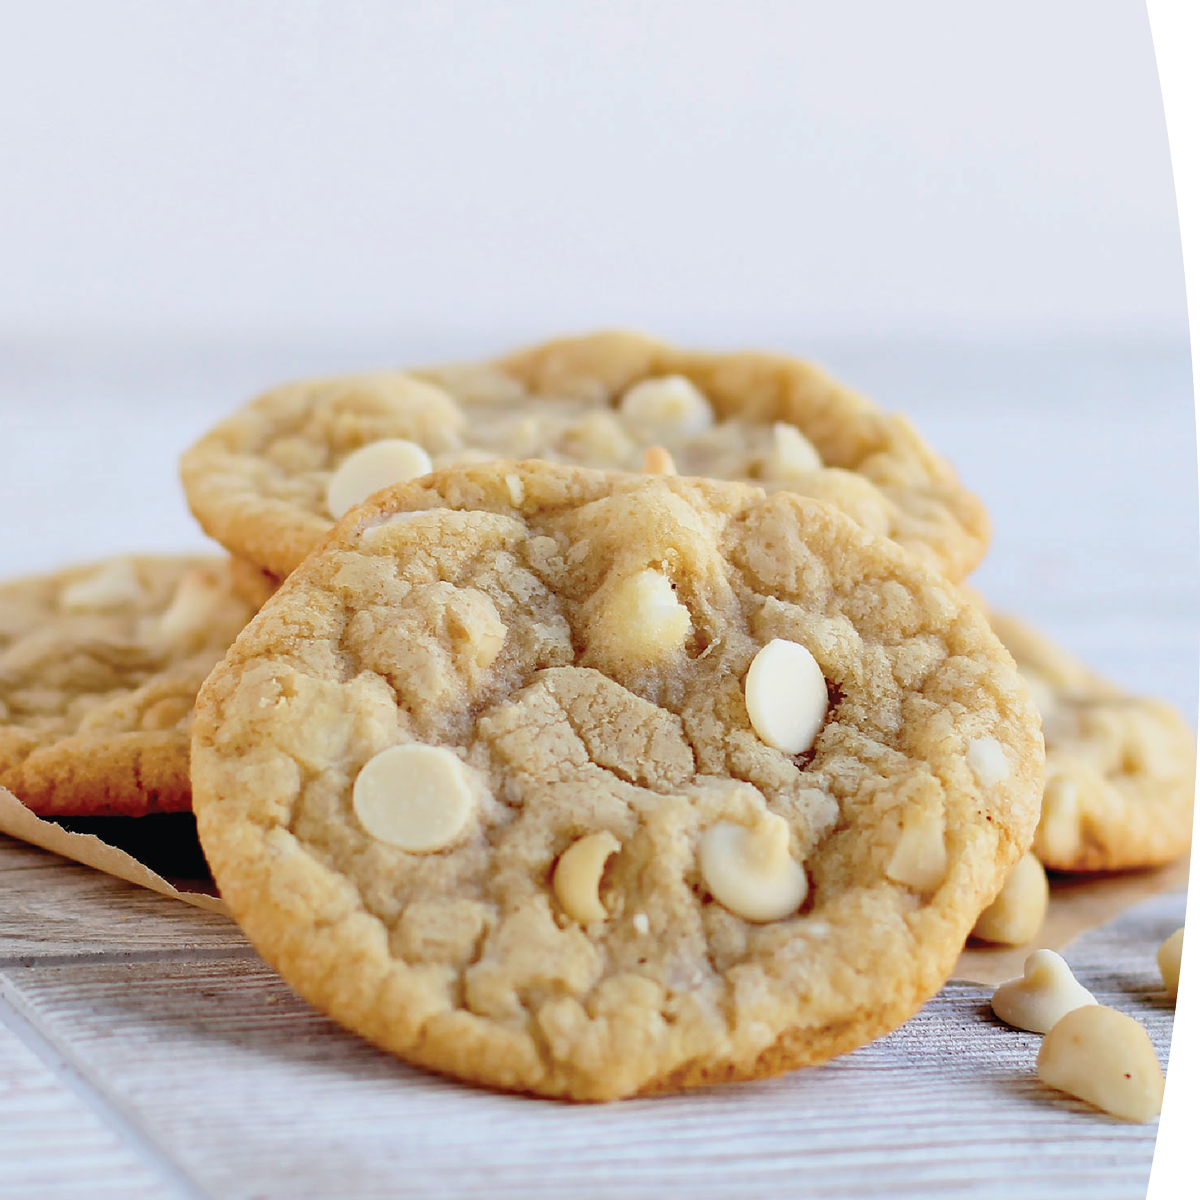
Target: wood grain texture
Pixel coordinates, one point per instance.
(253, 1093)
(53, 1146)
(51, 909)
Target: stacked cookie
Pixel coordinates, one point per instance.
(613, 720)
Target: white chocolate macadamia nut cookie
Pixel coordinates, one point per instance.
(269, 481)
(99, 668)
(601, 878)
(1120, 769)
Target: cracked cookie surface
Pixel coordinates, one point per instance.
(1120, 769)
(480, 780)
(99, 669)
(259, 482)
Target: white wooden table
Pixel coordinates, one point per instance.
(145, 1051)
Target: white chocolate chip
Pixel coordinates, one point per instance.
(192, 608)
(751, 871)
(376, 465)
(1042, 996)
(919, 859)
(110, 586)
(986, 757)
(642, 616)
(786, 696)
(1017, 913)
(1170, 956)
(657, 461)
(641, 924)
(792, 453)
(416, 797)
(671, 403)
(577, 876)
(1106, 1058)
(516, 488)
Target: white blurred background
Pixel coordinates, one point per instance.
(965, 210)
(721, 168)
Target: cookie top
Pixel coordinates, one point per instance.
(99, 669)
(589, 784)
(1120, 769)
(269, 481)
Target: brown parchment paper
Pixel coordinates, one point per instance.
(17, 821)
(1077, 903)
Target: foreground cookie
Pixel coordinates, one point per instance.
(269, 482)
(99, 669)
(1120, 769)
(590, 784)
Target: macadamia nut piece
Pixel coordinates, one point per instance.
(751, 871)
(1042, 996)
(577, 876)
(919, 859)
(1106, 1058)
(1170, 955)
(792, 454)
(657, 461)
(376, 465)
(1016, 915)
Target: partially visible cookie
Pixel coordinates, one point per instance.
(1120, 769)
(269, 481)
(252, 584)
(590, 784)
(99, 670)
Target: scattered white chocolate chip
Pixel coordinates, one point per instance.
(416, 797)
(786, 696)
(657, 461)
(1042, 996)
(792, 453)
(113, 584)
(670, 403)
(516, 488)
(1170, 955)
(986, 757)
(919, 859)
(751, 871)
(577, 876)
(641, 924)
(1106, 1058)
(1017, 913)
(642, 615)
(371, 467)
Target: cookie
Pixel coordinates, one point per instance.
(250, 583)
(590, 784)
(99, 669)
(1120, 769)
(269, 481)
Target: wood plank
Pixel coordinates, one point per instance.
(53, 1146)
(52, 908)
(255, 1094)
